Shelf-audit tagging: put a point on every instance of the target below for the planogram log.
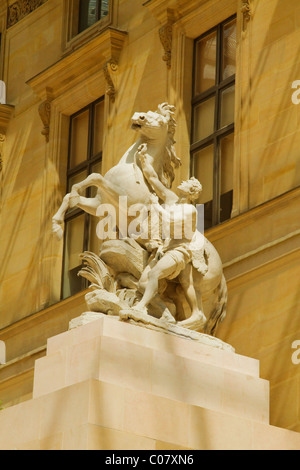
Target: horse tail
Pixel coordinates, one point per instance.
(218, 312)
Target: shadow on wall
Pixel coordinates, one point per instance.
(24, 235)
(272, 73)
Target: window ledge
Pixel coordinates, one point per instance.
(81, 38)
(74, 68)
(159, 8)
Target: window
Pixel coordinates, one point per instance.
(213, 119)
(91, 11)
(83, 20)
(85, 157)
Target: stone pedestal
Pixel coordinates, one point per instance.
(113, 385)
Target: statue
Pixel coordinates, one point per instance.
(175, 257)
(2, 353)
(169, 282)
(2, 92)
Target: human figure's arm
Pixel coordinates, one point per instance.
(165, 194)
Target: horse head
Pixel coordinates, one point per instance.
(157, 129)
(156, 126)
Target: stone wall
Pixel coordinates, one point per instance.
(259, 245)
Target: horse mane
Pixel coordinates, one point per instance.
(170, 159)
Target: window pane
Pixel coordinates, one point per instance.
(75, 179)
(96, 168)
(204, 172)
(88, 13)
(94, 241)
(204, 117)
(98, 128)
(79, 138)
(229, 49)
(227, 153)
(73, 248)
(227, 106)
(104, 8)
(205, 67)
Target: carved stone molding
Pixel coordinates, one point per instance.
(109, 68)
(165, 35)
(247, 13)
(45, 114)
(21, 8)
(167, 17)
(73, 69)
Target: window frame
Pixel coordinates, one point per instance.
(88, 165)
(219, 132)
(71, 38)
(98, 14)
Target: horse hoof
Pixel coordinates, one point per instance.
(57, 230)
(195, 322)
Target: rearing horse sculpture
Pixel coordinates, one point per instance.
(126, 178)
(156, 129)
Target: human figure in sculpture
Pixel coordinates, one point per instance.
(174, 256)
(126, 178)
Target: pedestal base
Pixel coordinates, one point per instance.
(135, 318)
(112, 385)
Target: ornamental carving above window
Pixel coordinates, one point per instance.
(21, 8)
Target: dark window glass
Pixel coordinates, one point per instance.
(213, 119)
(85, 157)
(91, 11)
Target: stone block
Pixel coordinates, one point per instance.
(111, 327)
(146, 360)
(101, 388)
(209, 386)
(151, 361)
(93, 415)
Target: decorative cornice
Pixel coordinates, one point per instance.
(166, 13)
(74, 68)
(109, 68)
(100, 53)
(180, 8)
(21, 8)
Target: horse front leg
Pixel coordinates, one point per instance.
(58, 218)
(74, 199)
(94, 179)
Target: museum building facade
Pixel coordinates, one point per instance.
(75, 72)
